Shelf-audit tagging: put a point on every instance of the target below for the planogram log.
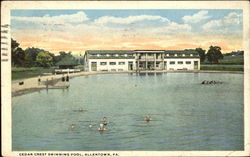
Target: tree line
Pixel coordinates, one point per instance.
(35, 57)
(213, 54)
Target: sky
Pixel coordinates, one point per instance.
(161, 29)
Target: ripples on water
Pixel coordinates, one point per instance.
(186, 115)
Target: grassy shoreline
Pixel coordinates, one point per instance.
(222, 67)
(24, 73)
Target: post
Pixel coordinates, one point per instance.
(47, 84)
(163, 65)
(154, 61)
(52, 81)
(137, 66)
(146, 61)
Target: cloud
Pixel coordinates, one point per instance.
(178, 27)
(231, 20)
(76, 32)
(76, 18)
(195, 18)
(129, 20)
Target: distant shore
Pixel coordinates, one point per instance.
(32, 85)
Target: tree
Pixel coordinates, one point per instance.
(53, 58)
(214, 54)
(30, 56)
(44, 59)
(62, 55)
(201, 53)
(14, 44)
(17, 54)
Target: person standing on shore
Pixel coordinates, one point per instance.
(39, 80)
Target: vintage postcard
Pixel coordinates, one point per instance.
(117, 78)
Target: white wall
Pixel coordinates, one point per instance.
(109, 67)
(177, 66)
(124, 67)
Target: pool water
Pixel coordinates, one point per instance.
(186, 115)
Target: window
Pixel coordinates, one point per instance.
(157, 56)
(171, 54)
(112, 63)
(180, 62)
(179, 54)
(103, 63)
(172, 62)
(157, 64)
(188, 62)
(187, 55)
(103, 54)
(121, 63)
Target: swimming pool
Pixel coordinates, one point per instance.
(186, 115)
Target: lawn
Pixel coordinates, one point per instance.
(222, 67)
(238, 60)
(232, 60)
(228, 63)
(21, 73)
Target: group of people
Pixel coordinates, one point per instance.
(65, 78)
(104, 123)
(211, 82)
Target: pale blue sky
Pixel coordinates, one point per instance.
(220, 25)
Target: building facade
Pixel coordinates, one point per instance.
(138, 60)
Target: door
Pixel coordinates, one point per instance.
(195, 65)
(93, 66)
(165, 65)
(130, 65)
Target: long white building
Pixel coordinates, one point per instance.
(137, 60)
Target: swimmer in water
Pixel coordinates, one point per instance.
(90, 125)
(72, 126)
(105, 121)
(147, 118)
(80, 110)
(101, 127)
